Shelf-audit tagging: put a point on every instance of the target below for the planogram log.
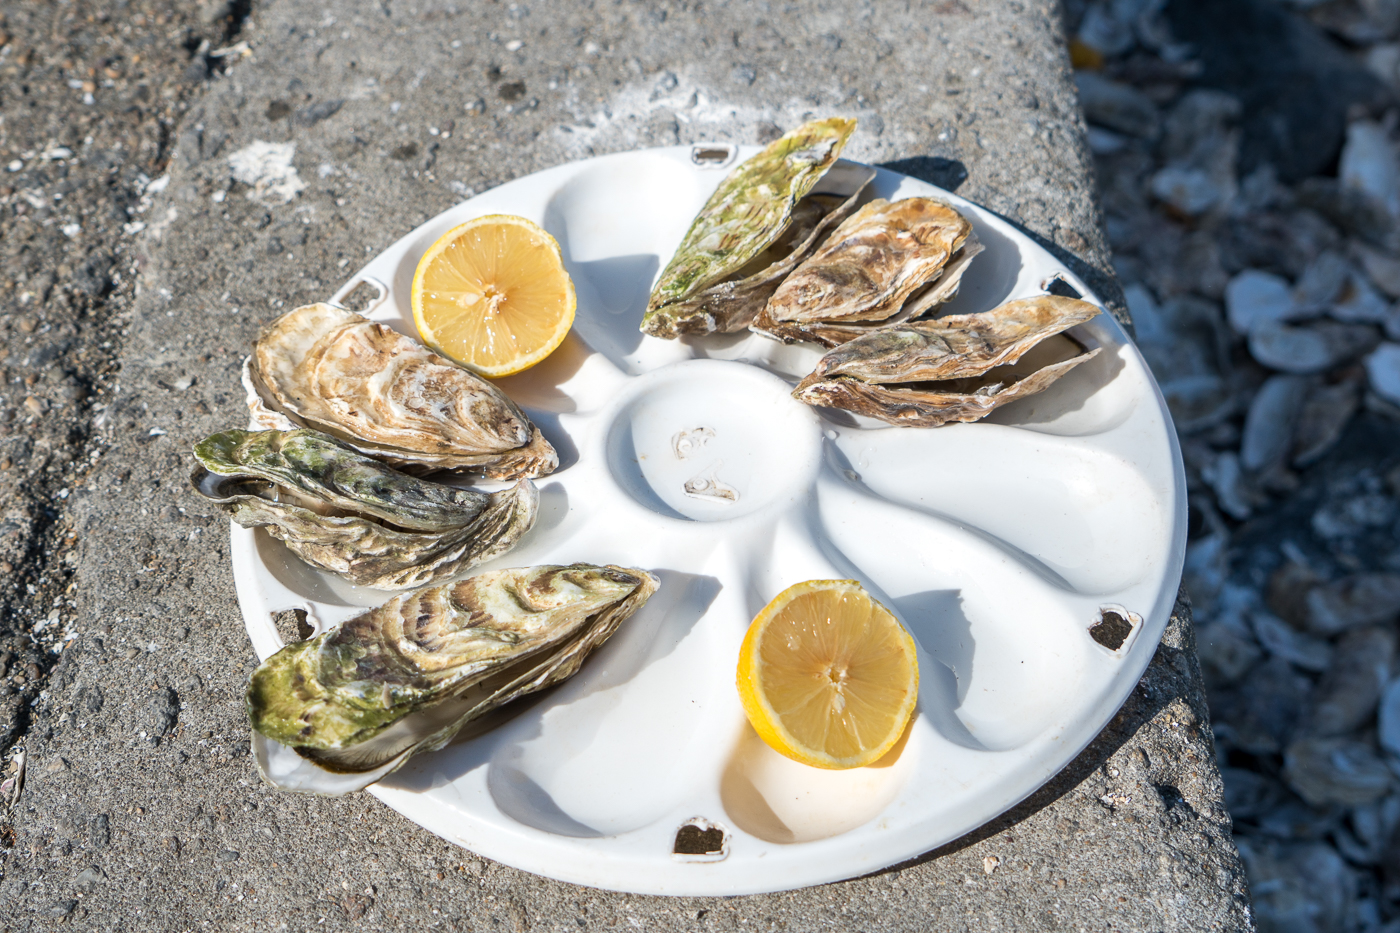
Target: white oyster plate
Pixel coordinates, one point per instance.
(998, 544)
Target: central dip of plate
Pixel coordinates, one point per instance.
(711, 440)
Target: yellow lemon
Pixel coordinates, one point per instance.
(827, 675)
(493, 295)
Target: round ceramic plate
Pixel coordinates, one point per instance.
(1034, 556)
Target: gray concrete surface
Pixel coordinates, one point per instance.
(142, 809)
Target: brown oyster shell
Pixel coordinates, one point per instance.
(955, 368)
(387, 396)
(889, 262)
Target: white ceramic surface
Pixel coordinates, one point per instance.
(998, 544)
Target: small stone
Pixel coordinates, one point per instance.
(1351, 209)
(1227, 481)
(89, 878)
(1342, 771)
(1190, 189)
(1117, 106)
(310, 116)
(1361, 599)
(1388, 718)
(1322, 282)
(227, 855)
(1288, 589)
(1360, 303)
(1369, 164)
(35, 405)
(1264, 707)
(100, 831)
(1347, 694)
(1299, 888)
(1305, 651)
(1308, 349)
(1253, 296)
(1225, 654)
(62, 908)
(1382, 267)
(1198, 123)
(1269, 425)
(1322, 419)
(1382, 372)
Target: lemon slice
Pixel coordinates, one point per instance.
(493, 295)
(827, 675)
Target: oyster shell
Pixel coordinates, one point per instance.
(889, 262)
(955, 368)
(348, 514)
(388, 396)
(339, 711)
(759, 223)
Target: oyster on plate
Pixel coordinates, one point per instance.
(351, 515)
(762, 220)
(889, 262)
(339, 711)
(387, 396)
(955, 368)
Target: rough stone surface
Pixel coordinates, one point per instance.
(142, 809)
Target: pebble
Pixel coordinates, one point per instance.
(1383, 268)
(1193, 190)
(1269, 425)
(1347, 694)
(1264, 707)
(1388, 718)
(1369, 164)
(1227, 481)
(1323, 417)
(1335, 771)
(1225, 654)
(1253, 296)
(1299, 888)
(1322, 281)
(1360, 303)
(1287, 591)
(1308, 349)
(1383, 371)
(1299, 649)
(1117, 106)
(1360, 599)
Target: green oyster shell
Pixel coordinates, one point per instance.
(363, 697)
(348, 514)
(748, 211)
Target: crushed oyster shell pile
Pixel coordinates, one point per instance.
(351, 415)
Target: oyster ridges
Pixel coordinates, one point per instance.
(388, 396)
(749, 211)
(732, 304)
(359, 700)
(955, 368)
(885, 264)
(350, 515)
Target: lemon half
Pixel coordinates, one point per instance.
(493, 295)
(827, 675)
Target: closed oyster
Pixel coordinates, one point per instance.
(955, 368)
(339, 711)
(388, 396)
(760, 222)
(889, 262)
(348, 514)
